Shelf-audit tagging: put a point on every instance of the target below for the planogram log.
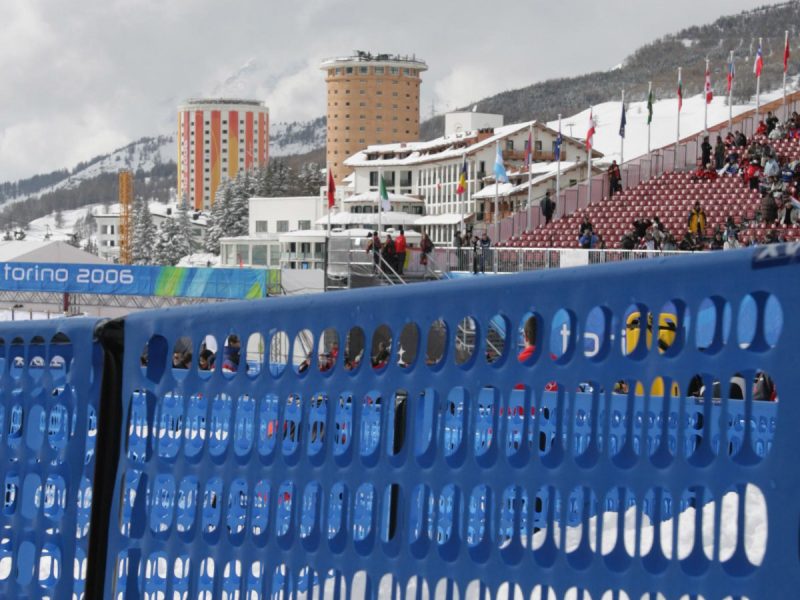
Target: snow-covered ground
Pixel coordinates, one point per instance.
(664, 128)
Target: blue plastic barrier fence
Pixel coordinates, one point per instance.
(50, 380)
(370, 467)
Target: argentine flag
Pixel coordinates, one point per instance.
(499, 170)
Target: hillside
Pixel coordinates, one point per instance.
(153, 159)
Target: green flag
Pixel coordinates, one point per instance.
(385, 206)
(650, 107)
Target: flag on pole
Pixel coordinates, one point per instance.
(331, 190)
(622, 122)
(650, 107)
(385, 204)
(462, 179)
(528, 150)
(786, 56)
(731, 75)
(590, 132)
(557, 148)
(759, 64)
(680, 94)
(709, 91)
(500, 169)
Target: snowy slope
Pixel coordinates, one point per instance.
(663, 130)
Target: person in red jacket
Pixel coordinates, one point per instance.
(400, 250)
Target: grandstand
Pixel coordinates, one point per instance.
(661, 184)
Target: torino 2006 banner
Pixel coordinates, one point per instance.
(128, 280)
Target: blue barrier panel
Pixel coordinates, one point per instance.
(50, 376)
(462, 461)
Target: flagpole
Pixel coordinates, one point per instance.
(680, 93)
(785, 68)
(622, 137)
(649, 92)
(731, 72)
(530, 171)
(380, 202)
(328, 195)
(558, 163)
(758, 90)
(464, 193)
(496, 196)
(705, 104)
(589, 160)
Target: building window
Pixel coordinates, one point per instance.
(405, 178)
(394, 70)
(363, 70)
(349, 70)
(261, 226)
(304, 225)
(282, 226)
(509, 144)
(260, 255)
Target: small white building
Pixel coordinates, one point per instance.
(269, 218)
(108, 235)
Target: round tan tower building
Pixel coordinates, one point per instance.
(372, 99)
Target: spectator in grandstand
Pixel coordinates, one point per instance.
(585, 224)
(328, 359)
(772, 168)
(400, 250)
(771, 122)
(476, 245)
(389, 253)
(732, 241)
(601, 243)
(764, 388)
(668, 243)
(717, 243)
(706, 173)
(614, 179)
(769, 209)
(730, 227)
(730, 140)
(648, 243)
(529, 338)
(751, 174)
(426, 247)
(374, 246)
(741, 140)
(182, 360)
(705, 149)
(773, 237)
(588, 239)
(697, 220)
(762, 128)
(778, 133)
(719, 153)
(627, 242)
(381, 357)
(548, 207)
(640, 227)
(457, 240)
(690, 242)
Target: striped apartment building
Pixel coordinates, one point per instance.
(216, 139)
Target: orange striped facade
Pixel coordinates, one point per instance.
(216, 140)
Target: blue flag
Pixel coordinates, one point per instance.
(499, 169)
(622, 122)
(557, 147)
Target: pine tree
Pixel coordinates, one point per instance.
(170, 248)
(310, 179)
(184, 228)
(217, 220)
(143, 237)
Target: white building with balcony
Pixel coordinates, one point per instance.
(430, 170)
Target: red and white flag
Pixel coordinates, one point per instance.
(590, 132)
(759, 64)
(709, 92)
(786, 54)
(331, 190)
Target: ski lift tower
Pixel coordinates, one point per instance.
(125, 211)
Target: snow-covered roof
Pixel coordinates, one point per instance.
(374, 197)
(543, 172)
(447, 147)
(158, 209)
(45, 251)
(443, 219)
(390, 217)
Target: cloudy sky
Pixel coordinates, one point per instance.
(82, 77)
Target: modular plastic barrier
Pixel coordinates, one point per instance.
(567, 434)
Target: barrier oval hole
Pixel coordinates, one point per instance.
(328, 349)
(36, 360)
(407, 346)
(60, 354)
(436, 343)
(562, 335)
(528, 337)
(231, 355)
(496, 338)
(181, 357)
(595, 334)
(278, 353)
(465, 340)
(254, 354)
(713, 325)
(17, 357)
(354, 349)
(381, 347)
(206, 356)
